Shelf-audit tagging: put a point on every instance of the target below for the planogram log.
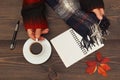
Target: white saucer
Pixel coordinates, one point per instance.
(40, 58)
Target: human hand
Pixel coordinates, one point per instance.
(105, 23)
(36, 34)
(99, 12)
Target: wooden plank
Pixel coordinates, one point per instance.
(10, 13)
(13, 61)
(13, 66)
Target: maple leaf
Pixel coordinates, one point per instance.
(99, 56)
(91, 69)
(105, 60)
(106, 67)
(101, 71)
(99, 64)
(91, 63)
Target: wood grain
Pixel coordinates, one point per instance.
(13, 66)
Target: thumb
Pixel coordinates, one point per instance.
(37, 33)
(102, 11)
(97, 13)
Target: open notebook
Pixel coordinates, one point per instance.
(69, 48)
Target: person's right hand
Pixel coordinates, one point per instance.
(36, 34)
(99, 12)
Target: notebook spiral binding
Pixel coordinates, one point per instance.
(78, 41)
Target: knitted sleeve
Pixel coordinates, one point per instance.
(88, 5)
(34, 15)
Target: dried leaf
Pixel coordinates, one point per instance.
(91, 69)
(101, 71)
(98, 64)
(105, 60)
(99, 56)
(106, 67)
(91, 63)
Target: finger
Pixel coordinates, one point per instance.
(45, 31)
(98, 13)
(102, 11)
(31, 34)
(37, 33)
(41, 38)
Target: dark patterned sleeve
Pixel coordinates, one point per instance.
(34, 14)
(82, 23)
(88, 5)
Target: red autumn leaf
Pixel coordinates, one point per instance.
(101, 71)
(91, 63)
(106, 67)
(99, 56)
(105, 60)
(99, 64)
(91, 69)
(92, 66)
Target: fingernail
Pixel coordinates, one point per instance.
(36, 39)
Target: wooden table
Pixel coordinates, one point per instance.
(13, 66)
